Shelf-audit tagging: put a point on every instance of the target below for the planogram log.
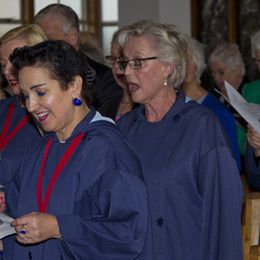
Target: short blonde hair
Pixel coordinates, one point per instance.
(169, 43)
(31, 32)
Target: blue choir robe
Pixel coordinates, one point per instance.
(193, 185)
(252, 168)
(12, 154)
(99, 200)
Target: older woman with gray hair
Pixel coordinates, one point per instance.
(192, 88)
(226, 64)
(192, 180)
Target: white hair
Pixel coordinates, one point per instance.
(228, 54)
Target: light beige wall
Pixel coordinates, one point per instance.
(166, 11)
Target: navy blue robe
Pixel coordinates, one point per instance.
(193, 184)
(15, 149)
(99, 199)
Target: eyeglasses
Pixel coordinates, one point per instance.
(112, 59)
(134, 64)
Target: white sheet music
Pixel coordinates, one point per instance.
(5, 228)
(249, 111)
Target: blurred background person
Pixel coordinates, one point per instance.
(126, 103)
(84, 161)
(61, 22)
(193, 184)
(18, 131)
(226, 64)
(192, 88)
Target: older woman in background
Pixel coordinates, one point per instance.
(193, 89)
(226, 64)
(126, 103)
(79, 192)
(193, 184)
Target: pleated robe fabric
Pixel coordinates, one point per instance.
(193, 185)
(13, 152)
(99, 199)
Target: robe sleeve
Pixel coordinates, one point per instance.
(109, 221)
(221, 190)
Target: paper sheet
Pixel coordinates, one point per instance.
(249, 111)
(5, 228)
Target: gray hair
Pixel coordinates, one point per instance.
(66, 14)
(228, 54)
(197, 51)
(255, 43)
(169, 43)
(119, 35)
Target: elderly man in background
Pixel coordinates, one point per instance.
(60, 22)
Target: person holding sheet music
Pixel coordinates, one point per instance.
(79, 192)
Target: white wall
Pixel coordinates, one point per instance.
(177, 12)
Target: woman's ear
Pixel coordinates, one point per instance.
(74, 38)
(168, 70)
(76, 86)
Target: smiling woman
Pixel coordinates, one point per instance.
(84, 161)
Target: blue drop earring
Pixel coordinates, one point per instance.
(77, 102)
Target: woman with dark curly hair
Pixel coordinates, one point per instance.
(79, 192)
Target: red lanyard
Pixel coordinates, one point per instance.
(6, 138)
(43, 203)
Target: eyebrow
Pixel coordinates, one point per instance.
(37, 85)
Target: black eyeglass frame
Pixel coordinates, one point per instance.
(123, 63)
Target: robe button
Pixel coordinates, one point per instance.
(176, 118)
(160, 221)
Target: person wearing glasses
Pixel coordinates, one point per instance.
(79, 192)
(192, 180)
(126, 103)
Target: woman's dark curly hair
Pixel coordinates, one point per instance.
(61, 60)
